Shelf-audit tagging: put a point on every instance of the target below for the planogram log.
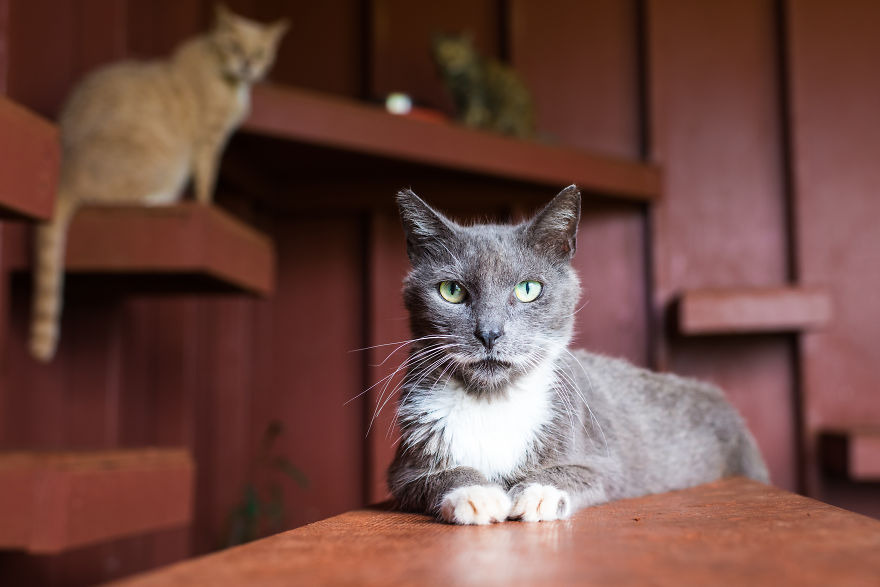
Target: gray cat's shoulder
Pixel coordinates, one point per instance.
(624, 374)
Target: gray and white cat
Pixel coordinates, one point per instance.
(499, 420)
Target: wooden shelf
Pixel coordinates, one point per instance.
(202, 243)
(29, 162)
(327, 121)
(752, 310)
(730, 532)
(852, 453)
(51, 502)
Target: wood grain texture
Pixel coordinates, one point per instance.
(30, 157)
(51, 502)
(304, 116)
(751, 310)
(729, 532)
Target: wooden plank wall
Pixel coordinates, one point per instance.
(835, 90)
(715, 128)
(701, 87)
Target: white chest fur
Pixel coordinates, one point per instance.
(493, 436)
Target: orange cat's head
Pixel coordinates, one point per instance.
(246, 48)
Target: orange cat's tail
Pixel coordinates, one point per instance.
(48, 274)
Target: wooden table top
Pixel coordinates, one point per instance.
(732, 532)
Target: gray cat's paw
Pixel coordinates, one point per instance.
(539, 503)
(475, 504)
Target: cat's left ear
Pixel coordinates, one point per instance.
(554, 229)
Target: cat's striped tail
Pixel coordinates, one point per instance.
(48, 278)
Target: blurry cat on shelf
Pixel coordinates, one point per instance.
(136, 132)
(486, 93)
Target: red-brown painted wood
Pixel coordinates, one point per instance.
(714, 99)
(580, 60)
(749, 310)
(310, 117)
(4, 44)
(29, 162)
(57, 501)
(731, 532)
(183, 239)
(852, 453)
(388, 327)
(598, 40)
(400, 44)
(834, 134)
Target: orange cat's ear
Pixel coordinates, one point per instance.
(278, 28)
(222, 15)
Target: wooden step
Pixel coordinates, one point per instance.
(853, 453)
(30, 156)
(55, 501)
(201, 247)
(752, 310)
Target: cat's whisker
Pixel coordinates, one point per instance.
(583, 399)
(380, 404)
(413, 362)
(405, 364)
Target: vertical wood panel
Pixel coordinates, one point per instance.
(333, 29)
(304, 370)
(401, 43)
(388, 322)
(4, 44)
(714, 100)
(835, 91)
(580, 60)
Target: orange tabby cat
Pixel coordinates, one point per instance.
(137, 132)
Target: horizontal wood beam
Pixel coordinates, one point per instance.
(748, 310)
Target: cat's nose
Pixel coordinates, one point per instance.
(488, 336)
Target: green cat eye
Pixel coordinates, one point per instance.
(452, 292)
(527, 291)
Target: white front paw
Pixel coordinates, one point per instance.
(539, 503)
(475, 504)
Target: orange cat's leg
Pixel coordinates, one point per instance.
(205, 173)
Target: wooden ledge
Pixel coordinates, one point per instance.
(30, 156)
(328, 121)
(179, 241)
(853, 453)
(733, 532)
(54, 501)
(753, 310)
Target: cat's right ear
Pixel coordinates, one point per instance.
(554, 229)
(223, 17)
(425, 228)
